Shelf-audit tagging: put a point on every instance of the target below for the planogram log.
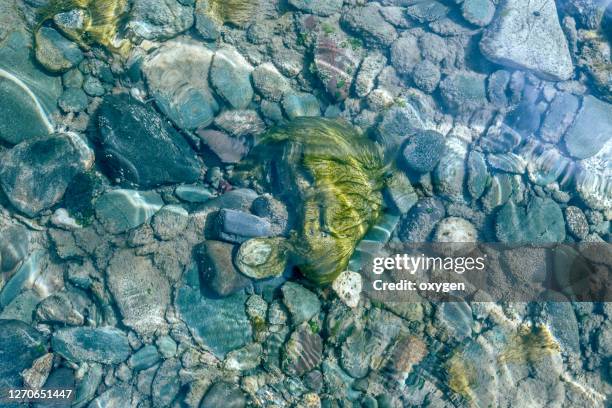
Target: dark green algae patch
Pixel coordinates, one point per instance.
(333, 177)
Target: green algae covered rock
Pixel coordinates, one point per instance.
(333, 177)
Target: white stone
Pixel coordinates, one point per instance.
(526, 34)
(348, 287)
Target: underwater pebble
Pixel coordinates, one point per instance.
(21, 345)
(303, 351)
(56, 53)
(230, 75)
(576, 222)
(218, 271)
(302, 304)
(348, 288)
(301, 104)
(270, 83)
(223, 394)
(106, 345)
(121, 210)
(423, 151)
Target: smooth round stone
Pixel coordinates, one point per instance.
(56, 53)
(423, 151)
(426, 76)
(144, 358)
(177, 76)
(405, 54)
(218, 272)
(577, 223)
(261, 258)
(348, 287)
(166, 346)
(23, 118)
(224, 394)
(369, 22)
(73, 100)
(417, 225)
(122, 210)
(301, 104)
(169, 222)
(478, 12)
(230, 75)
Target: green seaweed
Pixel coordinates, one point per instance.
(102, 22)
(332, 176)
(236, 12)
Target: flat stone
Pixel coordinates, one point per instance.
(14, 246)
(559, 117)
(36, 173)
(405, 54)
(526, 34)
(539, 222)
(230, 75)
(144, 358)
(141, 291)
(21, 345)
(193, 193)
(302, 303)
(301, 104)
(237, 226)
(464, 90)
(227, 148)
(318, 7)
(217, 268)
(399, 123)
(478, 12)
(240, 123)
(270, 83)
(56, 53)
(166, 384)
(137, 147)
(121, 210)
(106, 345)
(576, 221)
(177, 77)
(591, 129)
(222, 325)
(224, 394)
(159, 20)
(369, 22)
(73, 100)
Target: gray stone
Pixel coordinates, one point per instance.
(224, 394)
(426, 76)
(399, 123)
(405, 53)
(576, 222)
(370, 67)
(206, 25)
(21, 345)
(418, 224)
(526, 35)
(318, 7)
(464, 90)
(169, 222)
(237, 226)
(93, 86)
(478, 12)
(159, 20)
(497, 87)
(193, 193)
(220, 324)
(14, 247)
(166, 346)
(369, 22)
(559, 117)
(217, 268)
(56, 53)
(230, 75)
(115, 396)
(244, 359)
(239, 123)
(73, 100)
(477, 175)
(106, 345)
(499, 191)
(166, 384)
(270, 83)
(399, 193)
(591, 129)
(36, 173)
(539, 222)
(423, 151)
(144, 358)
(301, 303)
(138, 147)
(177, 77)
(426, 11)
(122, 210)
(301, 104)
(59, 309)
(34, 94)
(140, 290)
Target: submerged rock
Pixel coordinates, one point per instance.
(318, 7)
(177, 77)
(302, 304)
(526, 34)
(224, 394)
(56, 53)
(591, 128)
(142, 293)
(136, 146)
(230, 75)
(35, 174)
(106, 345)
(159, 20)
(369, 22)
(540, 221)
(122, 210)
(21, 345)
(217, 269)
(303, 351)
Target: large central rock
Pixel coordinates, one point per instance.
(138, 148)
(526, 35)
